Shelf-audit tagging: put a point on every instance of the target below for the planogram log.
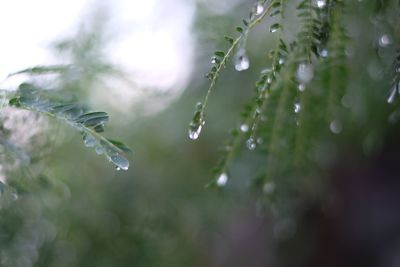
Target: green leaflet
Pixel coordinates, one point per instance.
(89, 124)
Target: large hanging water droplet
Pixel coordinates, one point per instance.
(274, 27)
(320, 3)
(195, 130)
(336, 127)
(305, 73)
(297, 107)
(197, 123)
(251, 143)
(244, 128)
(242, 61)
(120, 162)
(259, 9)
(384, 40)
(222, 179)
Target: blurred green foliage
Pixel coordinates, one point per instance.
(69, 208)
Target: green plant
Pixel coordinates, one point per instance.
(311, 97)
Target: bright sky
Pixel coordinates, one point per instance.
(154, 43)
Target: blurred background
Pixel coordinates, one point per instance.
(144, 62)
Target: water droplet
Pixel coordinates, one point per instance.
(244, 128)
(120, 162)
(269, 187)
(242, 62)
(222, 179)
(197, 123)
(302, 87)
(118, 168)
(297, 107)
(324, 53)
(392, 94)
(281, 60)
(265, 71)
(199, 106)
(305, 73)
(259, 9)
(336, 127)
(195, 130)
(251, 143)
(269, 79)
(320, 3)
(89, 140)
(274, 27)
(384, 40)
(99, 150)
(14, 196)
(260, 141)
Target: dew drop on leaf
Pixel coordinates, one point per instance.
(14, 196)
(392, 94)
(269, 187)
(259, 9)
(244, 128)
(222, 179)
(199, 106)
(324, 53)
(89, 140)
(335, 126)
(305, 73)
(251, 143)
(195, 130)
(274, 27)
(99, 150)
(120, 162)
(320, 3)
(297, 107)
(242, 61)
(384, 40)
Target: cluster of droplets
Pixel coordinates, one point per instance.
(197, 122)
(102, 147)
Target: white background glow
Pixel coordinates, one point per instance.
(153, 44)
